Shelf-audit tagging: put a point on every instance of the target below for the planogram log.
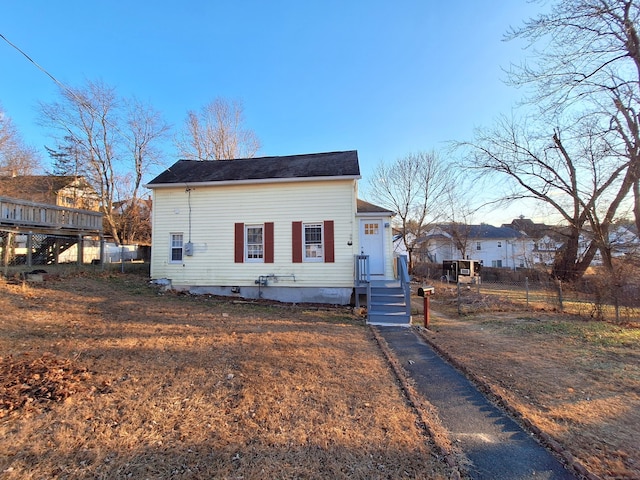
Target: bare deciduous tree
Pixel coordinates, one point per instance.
(459, 213)
(108, 137)
(16, 158)
(86, 117)
(413, 187)
(574, 176)
(584, 73)
(217, 132)
(145, 128)
(588, 62)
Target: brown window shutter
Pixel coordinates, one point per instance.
(329, 253)
(239, 243)
(268, 242)
(296, 241)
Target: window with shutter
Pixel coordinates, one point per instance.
(313, 242)
(238, 242)
(268, 242)
(254, 243)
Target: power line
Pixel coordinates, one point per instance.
(40, 67)
(68, 90)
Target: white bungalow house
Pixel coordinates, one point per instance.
(286, 228)
(500, 247)
(624, 240)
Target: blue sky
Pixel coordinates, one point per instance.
(384, 78)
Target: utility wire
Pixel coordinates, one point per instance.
(68, 90)
(41, 68)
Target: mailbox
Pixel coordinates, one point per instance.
(426, 291)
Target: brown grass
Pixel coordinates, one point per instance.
(105, 377)
(576, 380)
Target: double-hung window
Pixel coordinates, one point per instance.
(177, 243)
(313, 251)
(313, 242)
(254, 243)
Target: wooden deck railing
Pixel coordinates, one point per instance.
(25, 214)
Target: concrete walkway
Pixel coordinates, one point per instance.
(497, 447)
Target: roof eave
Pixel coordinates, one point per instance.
(256, 181)
(376, 214)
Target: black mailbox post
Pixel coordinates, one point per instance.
(426, 292)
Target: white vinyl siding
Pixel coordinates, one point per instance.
(281, 203)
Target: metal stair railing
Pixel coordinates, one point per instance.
(362, 279)
(405, 280)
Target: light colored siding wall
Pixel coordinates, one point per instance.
(215, 210)
(388, 247)
(510, 253)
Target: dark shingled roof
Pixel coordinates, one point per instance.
(333, 164)
(489, 231)
(366, 207)
(480, 231)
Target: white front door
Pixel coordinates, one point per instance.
(372, 244)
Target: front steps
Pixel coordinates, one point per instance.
(388, 305)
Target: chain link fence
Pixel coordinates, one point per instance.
(20, 252)
(46, 249)
(591, 297)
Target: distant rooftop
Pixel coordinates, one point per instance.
(35, 184)
(481, 231)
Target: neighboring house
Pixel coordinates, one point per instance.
(47, 219)
(545, 249)
(624, 240)
(547, 240)
(521, 243)
(60, 190)
(285, 228)
(500, 247)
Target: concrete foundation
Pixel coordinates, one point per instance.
(328, 295)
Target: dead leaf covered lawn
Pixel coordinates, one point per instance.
(135, 383)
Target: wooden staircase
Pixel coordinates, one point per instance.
(388, 304)
(45, 253)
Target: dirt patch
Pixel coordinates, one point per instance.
(575, 381)
(106, 377)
